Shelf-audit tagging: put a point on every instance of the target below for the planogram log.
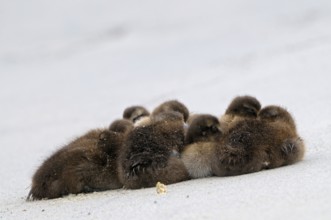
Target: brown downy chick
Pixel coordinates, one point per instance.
(255, 144)
(243, 149)
(241, 107)
(172, 105)
(151, 151)
(292, 149)
(168, 106)
(279, 115)
(87, 164)
(202, 138)
(76, 168)
(115, 136)
(135, 113)
(121, 126)
(204, 127)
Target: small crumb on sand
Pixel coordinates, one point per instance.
(161, 188)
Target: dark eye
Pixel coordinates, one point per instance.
(250, 111)
(135, 119)
(204, 128)
(214, 128)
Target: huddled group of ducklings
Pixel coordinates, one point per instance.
(169, 145)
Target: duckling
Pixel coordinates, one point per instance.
(87, 164)
(135, 113)
(202, 138)
(151, 151)
(266, 142)
(240, 108)
(292, 149)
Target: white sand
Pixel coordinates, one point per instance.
(69, 66)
